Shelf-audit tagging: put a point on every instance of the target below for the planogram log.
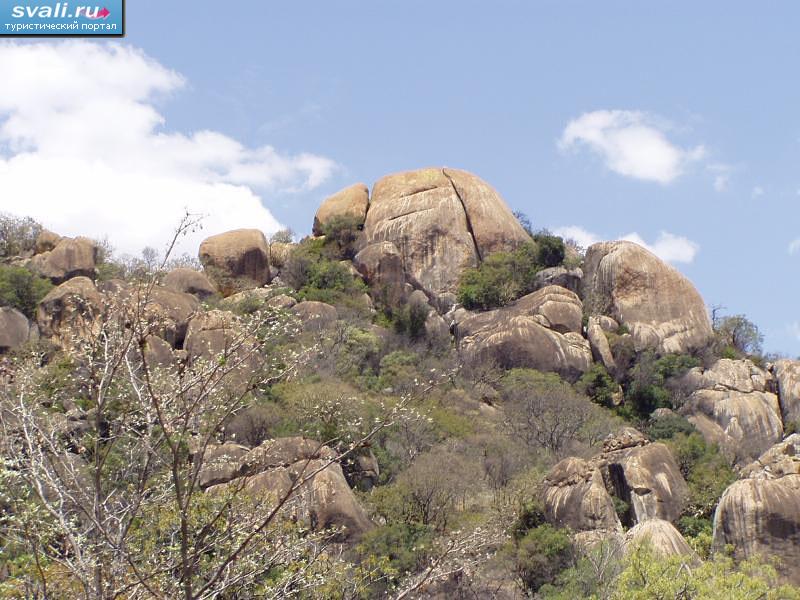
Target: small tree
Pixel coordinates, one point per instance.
(17, 235)
(738, 333)
(544, 411)
(282, 236)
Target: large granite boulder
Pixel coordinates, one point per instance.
(70, 310)
(730, 404)
(15, 329)
(662, 536)
(601, 349)
(211, 334)
(351, 202)
(576, 496)
(760, 514)
(169, 312)
(641, 475)
(189, 281)
(46, 241)
(381, 264)
(315, 316)
(322, 498)
(787, 376)
(541, 331)
(236, 260)
(660, 307)
(220, 463)
(69, 258)
(441, 221)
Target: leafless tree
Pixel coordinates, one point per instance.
(545, 413)
(116, 510)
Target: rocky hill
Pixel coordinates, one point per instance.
(422, 399)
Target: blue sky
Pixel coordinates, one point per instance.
(677, 122)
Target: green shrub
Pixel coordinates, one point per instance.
(410, 320)
(406, 545)
(737, 336)
(706, 470)
(316, 276)
(647, 575)
(340, 233)
(649, 381)
(551, 250)
(22, 289)
(501, 278)
(530, 516)
(541, 555)
(282, 236)
(598, 385)
(667, 427)
(398, 369)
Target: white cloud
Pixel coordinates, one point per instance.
(722, 175)
(794, 246)
(794, 329)
(757, 192)
(84, 149)
(667, 246)
(631, 143)
(583, 238)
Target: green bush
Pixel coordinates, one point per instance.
(410, 320)
(341, 233)
(649, 381)
(22, 289)
(406, 545)
(667, 427)
(541, 555)
(706, 470)
(737, 336)
(598, 385)
(530, 516)
(501, 278)
(398, 369)
(551, 250)
(316, 276)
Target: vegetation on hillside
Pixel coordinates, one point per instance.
(99, 495)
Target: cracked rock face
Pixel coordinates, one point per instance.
(760, 515)
(731, 405)
(662, 309)
(579, 493)
(441, 221)
(787, 375)
(539, 331)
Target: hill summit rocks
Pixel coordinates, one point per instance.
(439, 221)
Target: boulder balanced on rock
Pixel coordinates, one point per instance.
(236, 260)
(351, 202)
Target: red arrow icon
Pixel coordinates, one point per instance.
(103, 14)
